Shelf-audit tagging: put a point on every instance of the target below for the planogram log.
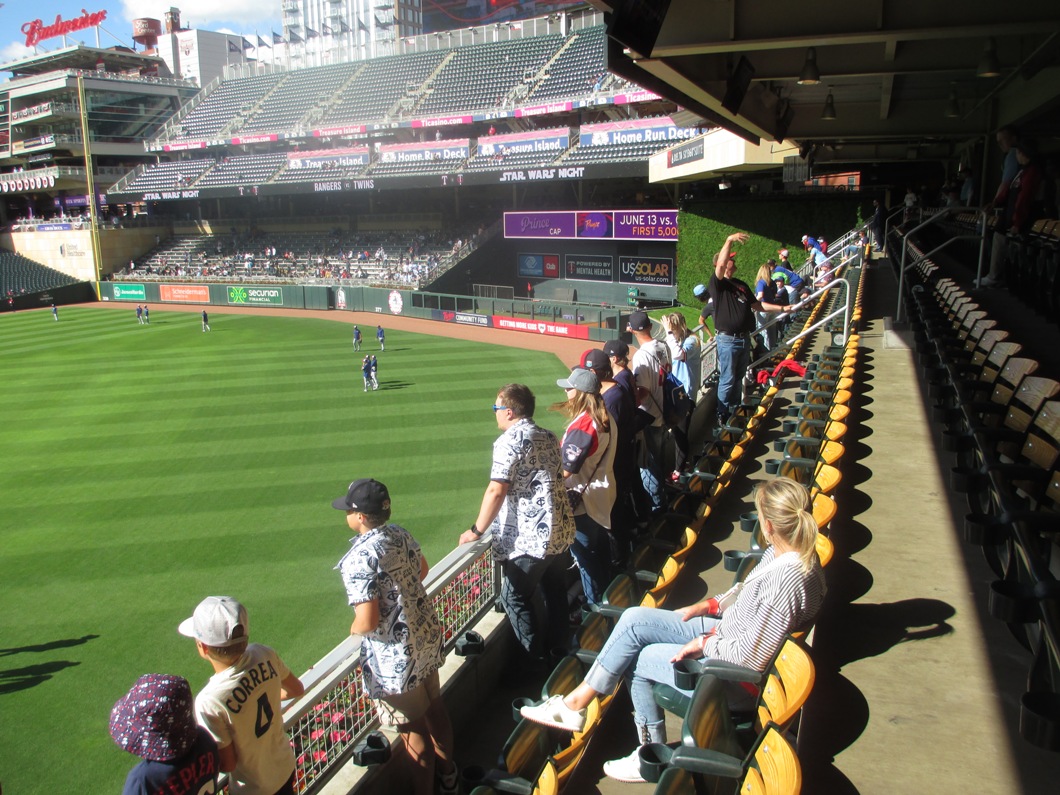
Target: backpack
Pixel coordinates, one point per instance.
(676, 403)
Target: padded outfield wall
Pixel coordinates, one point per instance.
(541, 317)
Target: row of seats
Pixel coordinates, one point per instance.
(757, 748)
(19, 275)
(435, 82)
(1031, 262)
(1001, 418)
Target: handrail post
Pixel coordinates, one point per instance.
(905, 248)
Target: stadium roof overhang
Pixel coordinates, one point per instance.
(902, 75)
(79, 56)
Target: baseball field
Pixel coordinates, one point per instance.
(147, 466)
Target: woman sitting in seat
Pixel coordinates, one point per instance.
(746, 626)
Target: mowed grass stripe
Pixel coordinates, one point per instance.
(146, 467)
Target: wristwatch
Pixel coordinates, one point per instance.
(476, 531)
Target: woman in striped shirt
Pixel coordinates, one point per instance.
(746, 625)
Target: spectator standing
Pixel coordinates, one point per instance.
(622, 410)
(766, 291)
(701, 294)
(1020, 203)
(684, 353)
(617, 353)
(526, 508)
(588, 452)
(649, 364)
(205, 321)
(381, 336)
(876, 224)
(155, 721)
(735, 305)
(251, 742)
(401, 643)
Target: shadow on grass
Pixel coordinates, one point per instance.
(15, 679)
(65, 643)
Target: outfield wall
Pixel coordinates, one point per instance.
(541, 317)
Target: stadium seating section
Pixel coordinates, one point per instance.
(19, 275)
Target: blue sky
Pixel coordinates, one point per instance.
(234, 16)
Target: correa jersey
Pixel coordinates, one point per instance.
(776, 599)
(535, 517)
(242, 705)
(406, 646)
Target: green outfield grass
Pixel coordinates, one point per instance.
(145, 467)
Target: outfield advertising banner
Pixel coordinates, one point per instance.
(128, 292)
(646, 270)
(272, 296)
(545, 327)
(538, 266)
(184, 293)
(597, 225)
(463, 318)
(589, 267)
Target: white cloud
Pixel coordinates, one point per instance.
(247, 14)
(14, 51)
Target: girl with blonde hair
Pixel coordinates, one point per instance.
(746, 625)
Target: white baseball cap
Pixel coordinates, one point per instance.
(218, 621)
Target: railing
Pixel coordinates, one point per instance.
(935, 217)
(334, 714)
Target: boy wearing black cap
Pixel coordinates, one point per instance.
(241, 705)
(401, 644)
(155, 721)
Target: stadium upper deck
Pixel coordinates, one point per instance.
(537, 108)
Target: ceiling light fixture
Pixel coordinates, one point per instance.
(724, 185)
(810, 74)
(828, 114)
(988, 64)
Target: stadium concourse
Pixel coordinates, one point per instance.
(915, 680)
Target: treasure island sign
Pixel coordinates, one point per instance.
(36, 31)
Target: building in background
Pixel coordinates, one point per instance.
(332, 31)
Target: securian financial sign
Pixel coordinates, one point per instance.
(36, 31)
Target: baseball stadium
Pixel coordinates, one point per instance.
(248, 272)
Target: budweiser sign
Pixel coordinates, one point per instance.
(36, 31)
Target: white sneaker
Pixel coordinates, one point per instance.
(625, 769)
(553, 712)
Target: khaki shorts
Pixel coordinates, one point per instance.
(397, 710)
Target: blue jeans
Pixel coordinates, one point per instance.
(734, 355)
(639, 650)
(592, 550)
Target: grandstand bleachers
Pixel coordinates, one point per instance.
(19, 275)
(378, 86)
(228, 101)
(291, 100)
(576, 69)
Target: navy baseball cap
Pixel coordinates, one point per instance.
(596, 359)
(639, 321)
(616, 348)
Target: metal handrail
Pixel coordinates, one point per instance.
(942, 214)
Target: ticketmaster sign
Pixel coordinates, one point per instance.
(272, 296)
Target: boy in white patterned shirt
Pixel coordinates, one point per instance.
(401, 646)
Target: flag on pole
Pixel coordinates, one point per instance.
(262, 43)
(277, 38)
(246, 44)
(294, 38)
(310, 33)
(233, 47)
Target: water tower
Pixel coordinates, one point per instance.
(146, 32)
